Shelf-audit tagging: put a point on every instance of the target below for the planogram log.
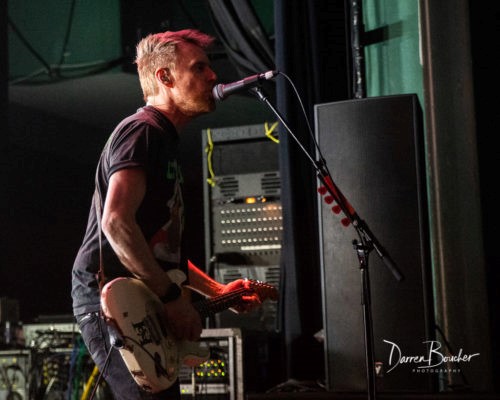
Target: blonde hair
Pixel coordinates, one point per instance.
(160, 50)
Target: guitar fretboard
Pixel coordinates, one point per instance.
(209, 307)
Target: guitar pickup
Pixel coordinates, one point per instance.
(153, 325)
(155, 322)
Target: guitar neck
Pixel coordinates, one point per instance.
(214, 305)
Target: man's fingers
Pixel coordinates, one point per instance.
(253, 298)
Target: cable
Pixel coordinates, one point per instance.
(54, 70)
(90, 381)
(159, 367)
(309, 128)
(34, 74)
(209, 149)
(68, 33)
(300, 102)
(72, 362)
(101, 375)
(28, 45)
(98, 66)
(78, 358)
(269, 132)
(324, 175)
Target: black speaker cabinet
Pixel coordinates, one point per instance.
(373, 148)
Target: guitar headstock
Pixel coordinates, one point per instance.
(264, 290)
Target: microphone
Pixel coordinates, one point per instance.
(221, 91)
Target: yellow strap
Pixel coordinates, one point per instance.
(269, 131)
(209, 150)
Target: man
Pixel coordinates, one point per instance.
(138, 186)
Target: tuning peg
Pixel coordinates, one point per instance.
(329, 199)
(336, 209)
(345, 221)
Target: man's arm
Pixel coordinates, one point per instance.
(209, 287)
(125, 194)
(126, 191)
(203, 283)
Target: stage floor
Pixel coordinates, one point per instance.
(379, 396)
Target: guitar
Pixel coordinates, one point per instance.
(151, 353)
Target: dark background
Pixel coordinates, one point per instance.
(56, 129)
(53, 130)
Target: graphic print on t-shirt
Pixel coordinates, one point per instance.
(166, 243)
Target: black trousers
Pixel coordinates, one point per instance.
(94, 333)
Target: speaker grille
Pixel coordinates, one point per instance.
(271, 184)
(229, 186)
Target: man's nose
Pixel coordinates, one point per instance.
(212, 76)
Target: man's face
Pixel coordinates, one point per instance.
(193, 81)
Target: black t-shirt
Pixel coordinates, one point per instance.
(146, 140)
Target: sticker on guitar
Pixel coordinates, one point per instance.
(152, 355)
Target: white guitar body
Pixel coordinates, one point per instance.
(152, 355)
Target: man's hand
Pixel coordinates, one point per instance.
(183, 321)
(250, 302)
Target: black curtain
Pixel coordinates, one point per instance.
(242, 36)
(4, 163)
(312, 49)
(485, 25)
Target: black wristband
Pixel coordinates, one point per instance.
(173, 293)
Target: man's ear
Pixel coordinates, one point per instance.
(163, 74)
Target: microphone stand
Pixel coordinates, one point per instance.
(363, 247)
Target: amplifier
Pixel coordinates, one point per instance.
(9, 323)
(9, 310)
(14, 374)
(53, 336)
(59, 361)
(50, 372)
(250, 224)
(263, 318)
(242, 193)
(243, 214)
(221, 376)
